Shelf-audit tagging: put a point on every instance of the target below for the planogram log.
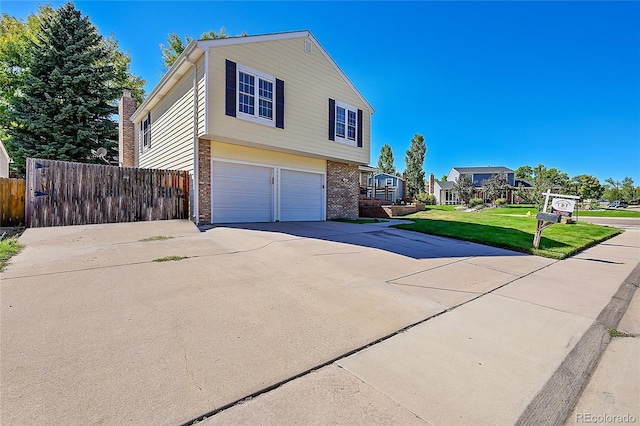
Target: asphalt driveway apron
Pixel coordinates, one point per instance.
(94, 331)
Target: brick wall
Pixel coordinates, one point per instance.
(204, 181)
(342, 190)
(126, 148)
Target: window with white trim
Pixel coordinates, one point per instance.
(389, 181)
(145, 132)
(346, 123)
(255, 95)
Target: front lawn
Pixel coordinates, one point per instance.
(510, 232)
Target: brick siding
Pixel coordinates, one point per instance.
(126, 148)
(342, 190)
(204, 181)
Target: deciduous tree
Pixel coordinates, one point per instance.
(463, 189)
(495, 186)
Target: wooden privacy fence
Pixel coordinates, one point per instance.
(11, 202)
(60, 193)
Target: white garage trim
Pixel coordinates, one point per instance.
(306, 178)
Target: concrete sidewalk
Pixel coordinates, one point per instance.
(484, 362)
(314, 322)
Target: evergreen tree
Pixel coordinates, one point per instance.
(385, 161)
(67, 99)
(414, 170)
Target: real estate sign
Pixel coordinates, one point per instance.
(563, 206)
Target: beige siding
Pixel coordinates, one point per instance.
(4, 164)
(310, 80)
(226, 151)
(172, 135)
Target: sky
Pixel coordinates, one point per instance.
(500, 83)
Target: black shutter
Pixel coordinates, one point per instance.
(359, 128)
(279, 104)
(332, 119)
(231, 88)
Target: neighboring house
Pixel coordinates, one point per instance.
(387, 186)
(268, 126)
(443, 190)
(4, 161)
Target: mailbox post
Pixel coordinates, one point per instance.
(545, 220)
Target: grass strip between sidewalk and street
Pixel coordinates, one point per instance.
(510, 232)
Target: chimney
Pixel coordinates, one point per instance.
(432, 184)
(126, 143)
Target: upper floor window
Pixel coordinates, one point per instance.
(345, 123)
(145, 132)
(389, 181)
(254, 95)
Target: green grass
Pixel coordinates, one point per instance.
(156, 238)
(522, 209)
(510, 232)
(614, 332)
(8, 248)
(610, 213)
(170, 258)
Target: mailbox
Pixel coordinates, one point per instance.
(548, 217)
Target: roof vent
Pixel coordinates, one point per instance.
(308, 46)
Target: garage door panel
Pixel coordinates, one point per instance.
(301, 196)
(241, 193)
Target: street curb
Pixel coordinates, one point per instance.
(558, 397)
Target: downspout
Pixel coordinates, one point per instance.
(196, 189)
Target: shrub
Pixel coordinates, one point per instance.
(425, 198)
(476, 202)
(501, 202)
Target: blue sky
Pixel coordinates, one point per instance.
(486, 83)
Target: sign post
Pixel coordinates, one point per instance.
(561, 205)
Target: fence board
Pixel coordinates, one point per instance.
(12, 204)
(61, 193)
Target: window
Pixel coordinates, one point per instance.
(145, 132)
(389, 181)
(345, 123)
(255, 96)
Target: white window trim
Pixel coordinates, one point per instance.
(146, 146)
(256, 96)
(389, 182)
(345, 139)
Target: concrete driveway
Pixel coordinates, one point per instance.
(93, 331)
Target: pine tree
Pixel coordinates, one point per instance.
(385, 161)
(67, 101)
(415, 161)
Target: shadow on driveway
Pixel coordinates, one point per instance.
(376, 236)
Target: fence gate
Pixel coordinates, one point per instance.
(11, 202)
(61, 193)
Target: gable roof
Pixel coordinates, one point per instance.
(197, 48)
(388, 175)
(444, 184)
(489, 169)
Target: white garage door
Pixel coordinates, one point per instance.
(301, 195)
(241, 193)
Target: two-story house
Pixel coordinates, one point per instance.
(443, 190)
(387, 186)
(268, 126)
